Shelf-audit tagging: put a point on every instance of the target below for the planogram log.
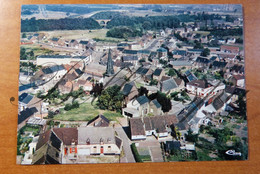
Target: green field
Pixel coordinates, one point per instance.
(80, 34)
(85, 112)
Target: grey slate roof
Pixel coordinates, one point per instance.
(168, 85)
(180, 63)
(188, 113)
(53, 69)
(220, 100)
(157, 72)
(156, 103)
(25, 98)
(129, 58)
(55, 39)
(202, 60)
(83, 42)
(103, 122)
(127, 88)
(161, 50)
(95, 135)
(218, 64)
(28, 112)
(179, 52)
(142, 70)
(144, 52)
(142, 100)
(130, 51)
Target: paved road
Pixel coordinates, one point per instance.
(126, 145)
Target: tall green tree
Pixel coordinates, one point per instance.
(111, 99)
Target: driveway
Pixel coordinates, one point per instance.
(126, 145)
(154, 147)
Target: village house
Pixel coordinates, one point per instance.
(158, 126)
(215, 104)
(130, 59)
(162, 53)
(155, 108)
(74, 43)
(135, 46)
(219, 65)
(229, 49)
(54, 72)
(24, 101)
(238, 80)
(145, 73)
(85, 45)
(178, 64)
(138, 107)
(98, 121)
(144, 54)
(203, 88)
(202, 62)
(168, 85)
(25, 115)
(129, 91)
(85, 84)
(98, 141)
(158, 73)
(68, 145)
(54, 41)
(190, 76)
(237, 69)
(177, 54)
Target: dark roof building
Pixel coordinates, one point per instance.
(142, 100)
(48, 148)
(26, 114)
(142, 71)
(99, 121)
(136, 126)
(157, 72)
(127, 88)
(110, 69)
(25, 98)
(156, 103)
(53, 69)
(168, 85)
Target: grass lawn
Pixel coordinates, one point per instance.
(85, 112)
(38, 50)
(138, 85)
(81, 34)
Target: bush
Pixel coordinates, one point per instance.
(136, 154)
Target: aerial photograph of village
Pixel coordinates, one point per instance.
(131, 83)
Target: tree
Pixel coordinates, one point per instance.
(143, 91)
(111, 99)
(163, 100)
(205, 52)
(191, 136)
(23, 55)
(147, 25)
(51, 114)
(153, 82)
(171, 72)
(31, 54)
